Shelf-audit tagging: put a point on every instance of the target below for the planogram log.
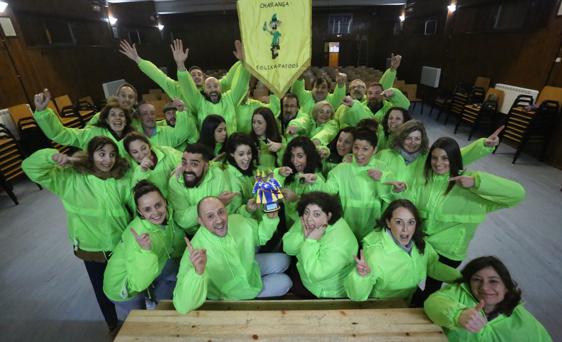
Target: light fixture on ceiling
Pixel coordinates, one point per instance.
(452, 8)
(160, 27)
(3, 6)
(112, 20)
(402, 17)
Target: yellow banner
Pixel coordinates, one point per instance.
(277, 39)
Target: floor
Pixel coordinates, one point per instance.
(46, 295)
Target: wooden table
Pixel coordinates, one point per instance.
(401, 324)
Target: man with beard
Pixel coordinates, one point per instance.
(126, 96)
(220, 262)
(195, 179)
(319, 92)
(213, 100)
(169, 85)
(293, 121)
(176, 137)
(379, 98)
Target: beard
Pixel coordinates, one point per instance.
(374, 105)
(192, 183)
(213, 97)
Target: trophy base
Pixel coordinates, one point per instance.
(271, 207)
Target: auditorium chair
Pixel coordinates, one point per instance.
(460, 99)
(477, 114)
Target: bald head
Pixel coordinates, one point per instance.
(212, 89)
(213, 215)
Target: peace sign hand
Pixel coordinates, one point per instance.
(130, 51)
(42, 99)
(494, 140)
(362, 267)
(472, 320)
(464, 181)
(198, 257)
(143, 240)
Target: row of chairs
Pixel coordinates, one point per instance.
(527, 122)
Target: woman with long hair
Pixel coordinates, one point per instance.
(268, 140)
(338, 149)
(213, 134)
(484, 305)
(394, 258)
(95, 188)
(393, 118)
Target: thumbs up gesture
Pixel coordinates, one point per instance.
(472, 319)
(362, 266)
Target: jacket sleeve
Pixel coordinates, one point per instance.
(169, 85)
(185, 215)
(142, 266)
(302, 94)
(54, 129)
(226, 81)
(41, 169)
(323, 260)
(444, 308)
(497, 191)
(191, 288)
(189, 91)
(264, 229)
(438, 270)
(274, 104)
(183, 130)
(475, 151)
(398, 99)
(358, 287)
(328, 133)
(240, 84)
(332, 184)
(293, 239)
(387, 79)
(303, 122)
(337, 96)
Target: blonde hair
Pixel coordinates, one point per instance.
(318, 106)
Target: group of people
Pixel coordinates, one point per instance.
(166, 209)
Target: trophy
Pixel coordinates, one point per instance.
(268, 191)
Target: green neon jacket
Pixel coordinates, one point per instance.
(245, 111)
(228, 103)
(131, 269)
(184, 200)
(361, 196)
(95, 208)
(445, 306)
(184, 131)
(450, 220)
(394, 272)
(269, 160)
(167, 161)
(325, 132)
(306, 100)
(238, 182)
(232, 272)
(77, 137)
(323, 264)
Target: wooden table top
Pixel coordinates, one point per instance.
(402, 324)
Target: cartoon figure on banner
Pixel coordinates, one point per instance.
(273, 24)
(268, 191)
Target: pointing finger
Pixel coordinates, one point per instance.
(497, 132)
(189, 246)
(135, 233)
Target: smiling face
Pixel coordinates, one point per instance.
(147, 116)
(402, 225)
(194, 168)
(487, 285)
(357, 89)
(104, 158)
(324, 114)
(412, 142)
(320, 91)
(139, 150)
(242, 156)
(116, 120)
(344, 143)
(259, 125)
(374, 93)
(213, 216)
(126, 97)
(290, 107)
(170, 115)
(395, 119)
(198, 77)
(220, 133)
(212, 89)
(298, 158)
(440, 161)
(152, 207)
(315, 217)
(362, 151)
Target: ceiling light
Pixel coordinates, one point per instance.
(402, 17)
(112, 20)
(160, 27)
(3, 6)
(452, 8)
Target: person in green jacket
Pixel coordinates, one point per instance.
(323, 127)
(114, 123)
(213, 100)
(485, 305)
(153, 163)
(301, 173)
(319, 92)
(389, 125)
(453, 202)
(95, 188)
(292, 120)
(361, 184)
(144, 264)
(337, 150)
(195, 178)
(241, 158)
(220, 262)
(268, 140)
(395, 258)
(127, 97)
(214, 134)
(324, 246)
(184, 131)
(248, 106)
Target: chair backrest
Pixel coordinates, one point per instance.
(19, 112)
(399, 84)
(500, 95)
(410, 91)
(522, 101)
(477, 95)
(550, 93)
(482, 82)
(11, 155)
(53, 106)
(62, 102)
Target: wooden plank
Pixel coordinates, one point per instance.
(281, 325)
(296, 304)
